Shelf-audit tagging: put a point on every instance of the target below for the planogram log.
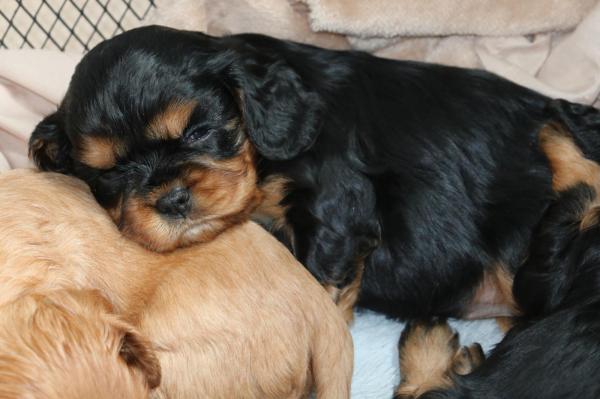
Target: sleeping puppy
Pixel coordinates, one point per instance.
(237, 317)
(424, 181)
(554, 350)
(65, 344)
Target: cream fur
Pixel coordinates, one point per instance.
(238, 317)
(445, 17)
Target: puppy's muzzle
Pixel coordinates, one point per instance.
(176, 203)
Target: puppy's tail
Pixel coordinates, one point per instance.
(332, 358)
(582, 121)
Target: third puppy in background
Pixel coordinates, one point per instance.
(553, 352)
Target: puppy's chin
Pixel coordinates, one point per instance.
(158, 238)
(218, 198)
(163, 234)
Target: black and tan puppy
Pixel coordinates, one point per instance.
(430, 178)
(554, 350)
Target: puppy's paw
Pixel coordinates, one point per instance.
(467, 359)
(430, 354)
(505, 323)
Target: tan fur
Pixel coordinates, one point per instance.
(100, 152)
(569, 165)
(66, 345)
(273, 191)
(237, 317)
(44, 148)
(224, 193)
(591, 216)
(347, 296)
(505, 323)
(141, 222)
(425, 359)
(232, 124)
(227, 187)
(467, 358)
(429, 356)
(493, 297)
(170, 123)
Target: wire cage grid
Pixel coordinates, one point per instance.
(67, 25)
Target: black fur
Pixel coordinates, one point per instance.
(433, 172)
(555, 352)
(559, 253)
(48, 145)
(556, 357)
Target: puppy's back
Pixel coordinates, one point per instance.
(238, 309)
(250, 298)
(53, 234)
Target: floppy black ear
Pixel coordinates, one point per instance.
(49, 146)
(282, 115)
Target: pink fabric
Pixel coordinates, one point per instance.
(32, 83)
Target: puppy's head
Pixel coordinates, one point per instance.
(65, 344)
(165, 126)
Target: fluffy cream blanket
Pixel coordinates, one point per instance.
(391, 18)
(552, 46)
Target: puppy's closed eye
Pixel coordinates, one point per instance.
(197, 133)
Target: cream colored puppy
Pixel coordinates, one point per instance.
(237, 317)
(65, 344)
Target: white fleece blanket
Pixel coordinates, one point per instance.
(376, 372)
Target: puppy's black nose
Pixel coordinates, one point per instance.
(175, 203)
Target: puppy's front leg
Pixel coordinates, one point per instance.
(333, 258)
(332, 237)
(346, 297)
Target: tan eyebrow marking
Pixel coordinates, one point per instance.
(170, 123)
(232, 124)
(101, 152)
